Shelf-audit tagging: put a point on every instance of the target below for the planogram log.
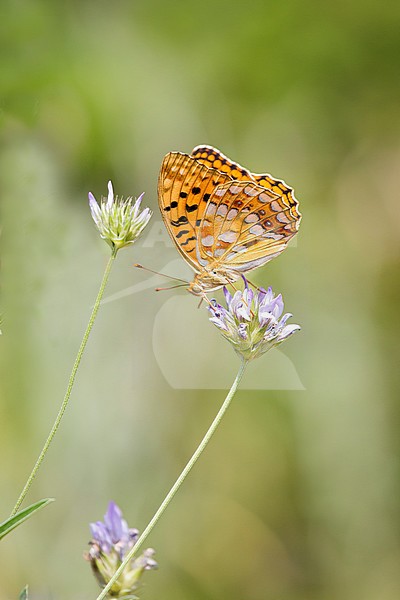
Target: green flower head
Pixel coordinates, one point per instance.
(119, 221)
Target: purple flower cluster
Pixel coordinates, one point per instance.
(111, 540)
(252, 321)
(114, 532)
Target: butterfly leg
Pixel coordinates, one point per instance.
(206, 299)
(255, 286)
(252, 284)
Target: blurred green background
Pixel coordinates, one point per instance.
(297, 496)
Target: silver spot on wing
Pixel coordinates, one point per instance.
(250, 191)
(282, 218)
(264, 197)
(275, 206)
(208, 240)
(235, 189)
(222, 210)
(253, 218)
(232, 214)
(228, 236)
(273, 236)
(256, 230)
(211, 208)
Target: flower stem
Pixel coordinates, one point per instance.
(177, 483)
(70, 384)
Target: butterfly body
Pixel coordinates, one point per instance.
(224, 219)
(209, 281)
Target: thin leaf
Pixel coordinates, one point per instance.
(22, 516)
(24, 594)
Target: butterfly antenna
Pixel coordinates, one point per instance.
(138, 266)
(173, 287)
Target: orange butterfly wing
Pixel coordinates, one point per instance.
(184, 188)
(213, 158)
(221, 216)
(244, 226)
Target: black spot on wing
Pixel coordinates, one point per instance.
(183, 232)
(181, 221)
(188, 240)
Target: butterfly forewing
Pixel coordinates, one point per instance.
(185, 187)
(213, 158)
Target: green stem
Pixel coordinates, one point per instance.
(70, 384)
(177, 483)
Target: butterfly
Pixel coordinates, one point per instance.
(224, 219)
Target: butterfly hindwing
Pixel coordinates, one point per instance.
(243, 223)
